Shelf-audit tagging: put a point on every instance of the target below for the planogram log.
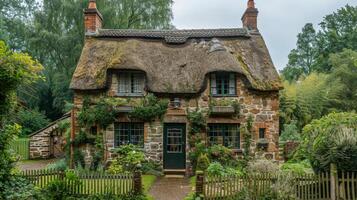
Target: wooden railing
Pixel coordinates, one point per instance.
(88, 182)
(322, 186)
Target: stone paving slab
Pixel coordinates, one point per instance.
(170, 188)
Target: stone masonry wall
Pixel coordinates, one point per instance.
(262, 106)
(40, 145)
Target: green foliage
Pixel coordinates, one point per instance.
(58, 165)
(15, 69)
(262, 165)
(217, 169)
(303, 58)
(301, 168)
(197, 121)
(151, 168)
(31, 121)
(102, 113)
(150, 108)
(20, 188)
(221, 154)
(290, 133)
(332, 139)
(202, 162)
(197, 150)
(343, 74)
(58, 189)
(99, 152)
(78, 158)
(246, 131)
(129, 159)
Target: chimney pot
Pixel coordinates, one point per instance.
(250, 16)
(92, 18)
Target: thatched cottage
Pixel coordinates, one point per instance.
(191, 68)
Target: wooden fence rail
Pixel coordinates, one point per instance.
(304, 187)
(21, 147)
(88, 182)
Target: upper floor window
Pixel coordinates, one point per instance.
(131, 84)
(223, 84)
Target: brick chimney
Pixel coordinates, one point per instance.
(250, 16)
(92, 18)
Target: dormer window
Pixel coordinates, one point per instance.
(131, 84)
(223, 84)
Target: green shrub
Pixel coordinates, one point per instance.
(20, 188)
(199, 149)
(215, 169)
(262, 165)
(290, 133)
(332, 139)
(223, 155)
(301, 168)
(129, 159)
(152, 168)
(58, 165)
(202, 162)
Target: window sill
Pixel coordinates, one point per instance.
(231, 95)
(129, 95)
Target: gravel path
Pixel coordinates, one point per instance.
(34, 164)
(170, 189)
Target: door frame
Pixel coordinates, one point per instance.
(184, 138)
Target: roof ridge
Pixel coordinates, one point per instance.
(173, 35)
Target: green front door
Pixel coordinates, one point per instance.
(174, 146)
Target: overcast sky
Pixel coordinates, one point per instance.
(279, 20)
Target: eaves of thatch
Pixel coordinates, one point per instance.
(176, 61)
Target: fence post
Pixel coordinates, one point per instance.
(137, 183)
(334, 181)
(199, 183)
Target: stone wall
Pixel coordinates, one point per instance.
(40, 144)
(262, 106)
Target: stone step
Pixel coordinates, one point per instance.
(181, 172)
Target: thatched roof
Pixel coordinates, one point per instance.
(176, 61)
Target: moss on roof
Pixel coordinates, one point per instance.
(176, 68)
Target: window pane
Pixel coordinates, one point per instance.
(224, 134)
(131, 83)
(129, 133)
(223, 84)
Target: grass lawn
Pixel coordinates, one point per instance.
(147, 181)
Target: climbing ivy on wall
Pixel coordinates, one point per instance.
(150, 108)
(247, 133)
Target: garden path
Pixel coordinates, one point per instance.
(34, 164)
(170, 188)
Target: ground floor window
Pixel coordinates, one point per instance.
(129, 133)
(227, 135)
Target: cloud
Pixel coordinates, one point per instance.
(279, 20)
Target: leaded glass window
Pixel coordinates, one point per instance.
(129, 133)
(223, 84)
(131, 84)
(227, 135)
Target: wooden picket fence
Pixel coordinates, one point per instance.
(21, 147)
(88, 182)
(304, 187)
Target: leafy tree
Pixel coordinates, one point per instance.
(344, 74)
(15, 69)
(303, 58)
(30, 121)
(338, 32)
(332, 139)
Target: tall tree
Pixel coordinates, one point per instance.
(338, 32)
(303, 58)
(344, 73)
